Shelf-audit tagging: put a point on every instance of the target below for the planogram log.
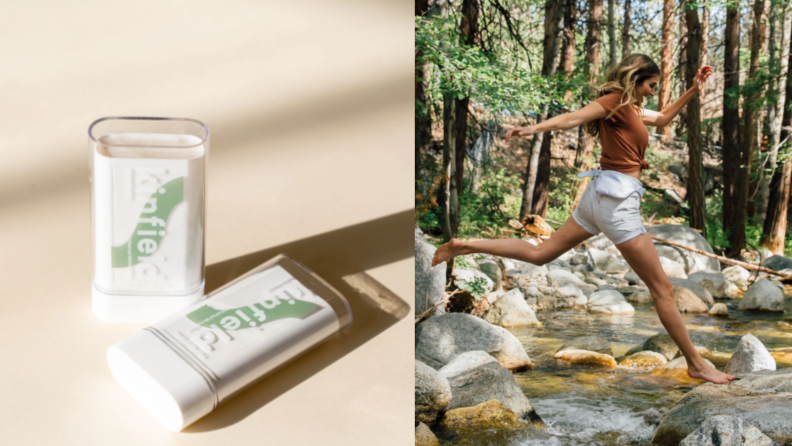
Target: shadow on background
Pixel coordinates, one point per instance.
(340, 257)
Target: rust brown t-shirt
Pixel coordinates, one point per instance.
(623, 136)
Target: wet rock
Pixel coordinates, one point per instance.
(617, 308)
(591, 343)
(640, 297)
(432, 393)
(606, 287)
(476, 377)
(685, 236)
(439, 339)
(609, 302)
(714, 282)
(733, 291)
(687, 301)
(580, 258)
(561, 277)
(673, 268)
(763, 295)
(574, 294)
(725, 430)
(761, 399)
(585, 357)
(660, 343)
(424, 436)
(777, 263)
(678, 369)
(605, 261)
(696, 288)
(627, 290)
(492, 270)
(737, 275)
(719, 309)
(782, 358)
(643, 360)
(491, 414)
(511, 310)
(547, 302)
(750, 356)
(633, 278)
(429, 281)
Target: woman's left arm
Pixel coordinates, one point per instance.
(662, 118)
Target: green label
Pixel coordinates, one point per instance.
(150, 229)
(252, 315)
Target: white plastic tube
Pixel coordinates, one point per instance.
(184, 366)
(147, 197)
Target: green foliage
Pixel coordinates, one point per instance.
(476, 287)
(717, 235)
(497, 200)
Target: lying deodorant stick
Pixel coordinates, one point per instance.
(182, 367)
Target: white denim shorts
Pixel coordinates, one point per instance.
(618, 218)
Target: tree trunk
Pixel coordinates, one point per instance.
(423, 121)
(774, 228)
(695, 183)
(682, 48)
(732, 151)
(552, 24)
(705, 26)
(626, 29)
(750, 132)
(612, 62)
(772, 129)
(567, 63)
(666, 62)
(449, 165)
(585, 148)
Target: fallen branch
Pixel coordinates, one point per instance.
(429, 310)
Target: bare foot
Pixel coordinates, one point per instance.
(711, 374)
(447, 251)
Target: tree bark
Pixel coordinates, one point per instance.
(612, 61)
(585, 148)
(666, 62)
(449, 165)
(626, 29)
(772, 127)
(705, 26)
(423, 121)
(695, 183)
(732, 151)
(567, 63)
(750, 132)
(682, 48)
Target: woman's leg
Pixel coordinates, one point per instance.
(642, 256)
(569, 235)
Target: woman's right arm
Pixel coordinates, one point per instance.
(565, 121)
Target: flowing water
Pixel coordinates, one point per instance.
(596, 406)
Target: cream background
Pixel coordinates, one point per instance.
(311, 112)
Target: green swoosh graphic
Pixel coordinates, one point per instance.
(146, 237)
(252, 315)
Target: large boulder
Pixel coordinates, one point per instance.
(750, 356)
(441, 338)
(724, 430)
(763, 295)
(476, 377)
(660, 343)
(429, 281)
(591, 343)
(574, 295)
(761, 399)
(474, 281)
(432, 393)
(714, 282)
(672, 268)
(695, 287)
(687, 301)
(777, 263)
(605, 261)
(609, 302)
(511, 310)
(488, 415)
(686, 236)
(737, 275)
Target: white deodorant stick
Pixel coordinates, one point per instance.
(147, 215)
(182, 367)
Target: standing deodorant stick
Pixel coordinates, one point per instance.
(182, 367)
(147, 215)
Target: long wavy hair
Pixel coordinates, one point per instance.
(624, 78)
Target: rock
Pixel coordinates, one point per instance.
(580, 258)
(714, 282)
(695, 287)
(585, 357)
(678, 369)
(432, 393)
(491, 414)
(679, 169)
(616, 308)
(627, 290)
(583, 269)
(685, 236)
(593, 280)
(660, 343)
(737, 274)
(777, 263)
(671, 195)
(424, 436)
(633, 278)
(732, 291)
(606, 287)
(474, 281)
(561, 277)
(606, 297)
(511, 310)
(429, 281)
(750, 356)
(441, 338)
(476, 377)
(761, 399)
(703, 351)
(673, 268)
(605, 261)
(532, 271)
(609, 302)
(643, 360)
(724, 430)
(547, 302)
(687, 301)
(763, 295)
(640, 297)
(591, 343)
(719, 309)
(492, 270)
(576, 296)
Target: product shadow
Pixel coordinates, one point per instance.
(340, 257)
